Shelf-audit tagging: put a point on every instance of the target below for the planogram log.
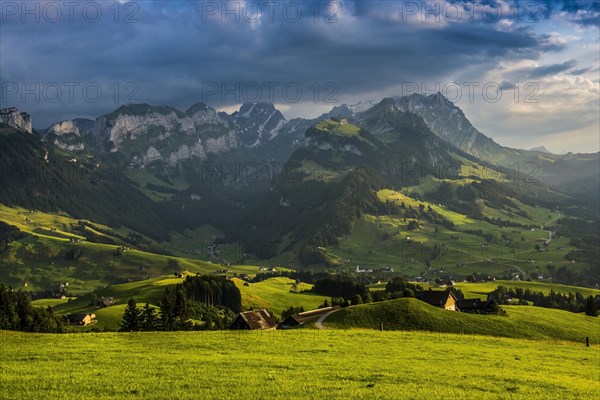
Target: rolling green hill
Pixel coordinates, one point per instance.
(42, 177)
(150, 290)
(376, 241)
(84, 254)
(329, 183)
(520, 321)
(428, 238)
(274, 294)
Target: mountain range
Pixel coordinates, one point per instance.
(142, 134)
(300, 185)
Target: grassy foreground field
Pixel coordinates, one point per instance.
(298, 364)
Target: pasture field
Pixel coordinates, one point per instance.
(481, 289)
(49, 257)
(376, 241)
(149, 290)
(338, 128)
(298, 364)
(50, 302)
(274, 294)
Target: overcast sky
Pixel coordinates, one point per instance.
(526, 73)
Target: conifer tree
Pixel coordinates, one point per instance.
(150, 321)
(167, 310)
(591, 308)
(132, 318)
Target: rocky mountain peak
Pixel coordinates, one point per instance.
(255, 123)
(449, 122)
(197, 107)
(16, 119)
(541, 149)
(77, 127)
(253, 109)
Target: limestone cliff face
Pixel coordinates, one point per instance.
(185, 152)
(76, 127)
(68, 135)
(16, 119)
(145, 133)
(117, 129)
(200, 113)
(78, 146)
(63, 128)
(222, 143)
(152, 155)
(171, 135)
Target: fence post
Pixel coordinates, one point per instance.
(587, 341)
(381, 326)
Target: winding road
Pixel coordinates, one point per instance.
(319, 323)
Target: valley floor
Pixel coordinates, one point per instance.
(299, 364)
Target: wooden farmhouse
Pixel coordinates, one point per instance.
(105, 302)
(81, 319)
(438, 298)
(254, 320)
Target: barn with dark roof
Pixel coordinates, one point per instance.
(304, 317)
(254, 320)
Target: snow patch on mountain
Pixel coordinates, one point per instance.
(361, 106)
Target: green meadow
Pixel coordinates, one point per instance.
(48, 256)
(481, 289)
(149, 290)
(376, 241)
(276, 295)
(295, 364)
(338, 128)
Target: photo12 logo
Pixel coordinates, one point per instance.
(453, 12)
(490, 92)
(68, 92)
(270, 91)
(253, 12)
(54, 12)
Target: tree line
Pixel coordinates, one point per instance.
(573, 302)
(214, 301)
(18, 314)
(397, 287)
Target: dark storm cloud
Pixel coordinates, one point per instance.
(589, 21)
(171, 50)
(506, 85)
(577, 72)
(545, 70)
